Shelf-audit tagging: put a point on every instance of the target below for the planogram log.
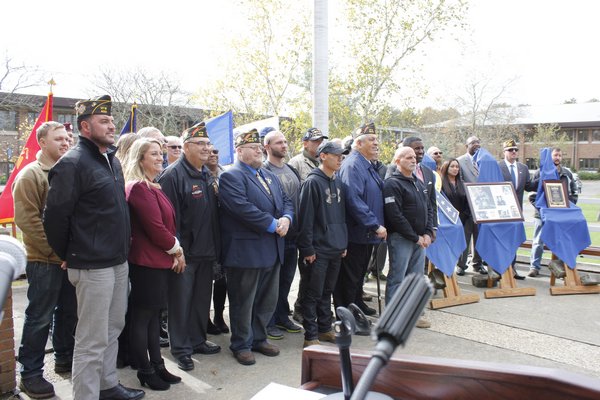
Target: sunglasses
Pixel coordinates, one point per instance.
(175, 147)
(512, 150)
(215, 151)
(438, 153)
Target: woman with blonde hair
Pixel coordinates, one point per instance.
(124, 145)
(154, 251)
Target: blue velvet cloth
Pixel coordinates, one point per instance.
(497, 242)
(448, 246)
(565, 230)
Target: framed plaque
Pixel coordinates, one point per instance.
(493, 202)
(556, 194)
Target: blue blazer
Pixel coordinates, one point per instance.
(247, 210)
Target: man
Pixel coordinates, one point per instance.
(70, 135)
(186, 184)
(49, 293)
(537, 247)
(86, 220)
(409, 219)
(276, 148)
(306, 161)
(322, 241)
(470, 172)
(437, 155)
(255, 217)
(364, 217)
(518, 174)
(174, 146)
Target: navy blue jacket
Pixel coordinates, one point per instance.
(364, 199)
(247, 210)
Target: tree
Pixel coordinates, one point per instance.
(15, 77)
(161, 100)
(382, 34)
(546, 135)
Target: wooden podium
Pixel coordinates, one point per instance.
(508, 287)
(452, 296)
(425, 378)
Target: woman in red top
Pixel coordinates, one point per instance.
(154, 251)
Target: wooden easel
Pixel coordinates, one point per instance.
(572, 283)
(508, 287)
(452, 296)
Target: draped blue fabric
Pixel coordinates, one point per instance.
(449, 243)
(429, 162)
(498, 242)
(565, 230)
(220, 132)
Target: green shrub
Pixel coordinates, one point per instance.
(589, 176)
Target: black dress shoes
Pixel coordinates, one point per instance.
(185, 363)
(221, 325)
(120, 392)
(519, 277)
(207, 348)
(212, 329)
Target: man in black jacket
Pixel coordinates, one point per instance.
(409, 221)
(186, 184)
(86, 221)
(322, 242)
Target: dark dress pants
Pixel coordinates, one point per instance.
(252, 299)
(352, 272)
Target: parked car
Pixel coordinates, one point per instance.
(576, 179)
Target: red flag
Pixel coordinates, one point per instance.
(7, 209)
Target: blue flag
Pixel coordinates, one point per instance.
(565, 230)
(131, 124)
(429, 162)
(498, 242)
(450, 239)
(220, 132)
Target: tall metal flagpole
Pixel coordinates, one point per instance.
(320, 68)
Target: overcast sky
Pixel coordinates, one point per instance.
(548, 46)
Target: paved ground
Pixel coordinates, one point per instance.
(560, 332)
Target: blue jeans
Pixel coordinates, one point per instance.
(286, 277)
(50, 295)
(316, 305)
(537, 246)
(406, 257)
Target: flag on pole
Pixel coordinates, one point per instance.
(220, 132)
(131, 124)
(7, 210)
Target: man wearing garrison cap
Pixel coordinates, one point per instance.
(187, 184)
(86, 221)
(518, 174)
(255, 217)
(364, 216)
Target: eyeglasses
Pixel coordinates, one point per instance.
(175, 147)
(512, 150)
(201, 143)
(257, 147)
(215, 151)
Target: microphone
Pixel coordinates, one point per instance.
(394, 326)
(13, 260)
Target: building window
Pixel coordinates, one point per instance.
(531, 163)
(590, 164)
(569, 134)
(582, 135)
(8, 120)
(31, 118)
(566, 162)
(596, 135)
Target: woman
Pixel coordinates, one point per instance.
(454, 189)
(154, 250)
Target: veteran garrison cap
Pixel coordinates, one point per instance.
(264, 131)
(367, 129)
(510, 144)
(247, 138)
(99, 106)
(196, 131)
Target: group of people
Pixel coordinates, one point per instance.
(146, 230)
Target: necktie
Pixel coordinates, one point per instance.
(475, 166)
(262, 182)
(419, 173)
(513, 177)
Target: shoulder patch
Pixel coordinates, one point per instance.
(389, 200)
